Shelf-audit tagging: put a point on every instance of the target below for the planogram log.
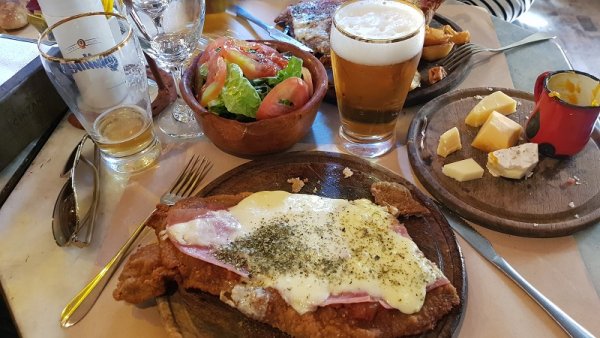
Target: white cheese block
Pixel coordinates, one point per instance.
(498, 132)
(497, 101)
(464, 170)
(515, 162)
(449, 142)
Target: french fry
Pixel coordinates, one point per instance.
(439, 41)
(461, 37)
(438, 36)
(448, 30)
(435, 36)
(436, 52)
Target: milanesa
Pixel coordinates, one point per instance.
(306, 265)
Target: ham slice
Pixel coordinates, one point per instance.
(363, 297)
(353, 298)
(206, 228)
(184, 215)
(220, 225)
(205, 254)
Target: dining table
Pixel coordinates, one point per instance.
(38, 278)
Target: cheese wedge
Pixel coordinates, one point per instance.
(498, 132)
(464, 170)
(449, 142)
(497, 101)
(515, 162)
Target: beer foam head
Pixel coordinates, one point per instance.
(377, 32)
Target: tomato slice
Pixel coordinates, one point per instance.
(307, 77)
(217, 73)
(256, 59)
(262, 53)
(287, 96)
(213, 48)
(252, 69)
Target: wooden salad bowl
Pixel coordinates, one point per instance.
(268, 136)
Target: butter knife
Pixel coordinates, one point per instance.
(484, 247)
(275, 33)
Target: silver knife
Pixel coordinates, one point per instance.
(273, 32)
(484, 247)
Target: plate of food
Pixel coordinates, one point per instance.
(468, 149)
(310, 21)
(256, 284)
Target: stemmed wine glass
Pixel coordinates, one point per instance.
(170, 31)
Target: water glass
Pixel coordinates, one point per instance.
(99, 72)
(170, 31)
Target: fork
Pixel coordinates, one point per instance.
(463, 52)
(185, 185)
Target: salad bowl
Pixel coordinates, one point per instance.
(261, 137)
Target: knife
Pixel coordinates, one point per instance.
(275, 33)
(484, 247)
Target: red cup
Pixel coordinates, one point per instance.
(567, 104)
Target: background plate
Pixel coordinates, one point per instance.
(205, 316)
(535, 207)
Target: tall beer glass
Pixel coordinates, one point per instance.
(375, 50)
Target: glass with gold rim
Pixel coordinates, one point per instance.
(101, 76)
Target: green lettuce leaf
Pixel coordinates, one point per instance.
(238, 95)
(217, 106)
(293, 69)
(262, 86)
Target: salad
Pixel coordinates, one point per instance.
(250, 81)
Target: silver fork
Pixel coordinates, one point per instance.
(463, 52)
(185, 185)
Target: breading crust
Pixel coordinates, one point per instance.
(397, 197)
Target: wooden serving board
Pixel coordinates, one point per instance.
(201, 315)
(539, 206)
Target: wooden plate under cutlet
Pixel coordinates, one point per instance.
(202, 315)
(561, 197)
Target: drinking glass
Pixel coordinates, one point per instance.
(170, 31)
(99, 72)
(375, 50)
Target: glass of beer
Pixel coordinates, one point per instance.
(375, 50)
(98, 70)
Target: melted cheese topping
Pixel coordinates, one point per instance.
(309, 248)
